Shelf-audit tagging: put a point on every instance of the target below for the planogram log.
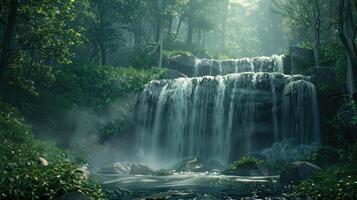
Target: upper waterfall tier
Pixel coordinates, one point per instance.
(194, 67)
(225, 117)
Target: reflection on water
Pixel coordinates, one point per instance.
(192, 186)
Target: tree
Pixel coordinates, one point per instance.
(347, 33)
(307, 13)
(196, 18)
(42, 34)
(103, 32)
(9, 32)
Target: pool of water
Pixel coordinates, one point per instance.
(195, 186)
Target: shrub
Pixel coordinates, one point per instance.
(21, 175)
(335, 183)
(246, 163)
(325, 156)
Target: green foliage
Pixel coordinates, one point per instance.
(144, 57)
(338, 180)
(325, 156)
(246, 163)
(173, 53)
(47, 29)
(21, 174)
(335, 183)
(95, 85)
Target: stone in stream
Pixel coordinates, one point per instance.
(298, 171)
(116, 168)
(140, 169)
(198, 165)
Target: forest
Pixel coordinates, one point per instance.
(178, 99)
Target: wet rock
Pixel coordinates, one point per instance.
(298, 171)
(140, 169)
(162, 172)
(116, 168)
(172, 74)
(300, 60)
(73, 196)
(198, 165)
(85, 170)
(183, 64)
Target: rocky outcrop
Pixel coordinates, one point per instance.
(116, 168)
(193, 66)
(300, 60)
(183, 64)
(140, 169)
(172, 74)
(298, 171)
(198, 165)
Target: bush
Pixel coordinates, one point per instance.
(335, 183)
(21, 174)
(246, 163)
(325, 156)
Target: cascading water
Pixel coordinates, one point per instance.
(219, 67)
(225, 117)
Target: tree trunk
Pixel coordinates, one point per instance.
(169, 30)
(178, 29)
(103, 54)
(347, 37)
(317, 48)
(9, 32)
(189, 33)
(159, 38)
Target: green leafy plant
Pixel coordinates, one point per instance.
(246, 163)
(22, 173)
(335, 183)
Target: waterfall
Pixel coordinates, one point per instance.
(257, 64)
(300, 114)
(225, 117)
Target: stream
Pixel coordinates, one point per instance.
(195, 186)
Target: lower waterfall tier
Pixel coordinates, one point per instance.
(224, 117)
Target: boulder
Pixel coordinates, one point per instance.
(140, 169)
(41, 161)
(163, 172)
(300, 59)
(298, 171)
(116, 168)
(172, 74)
(183, 64)
(198, 165)
(85, 170)
(73, 196)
